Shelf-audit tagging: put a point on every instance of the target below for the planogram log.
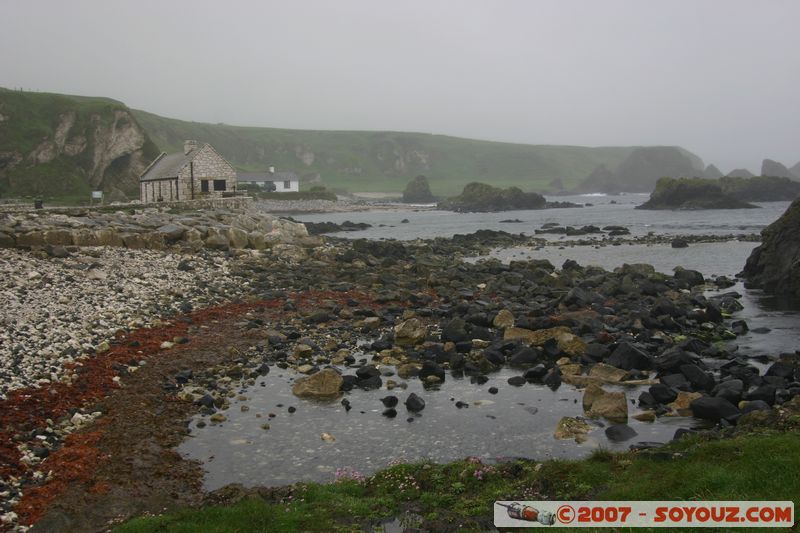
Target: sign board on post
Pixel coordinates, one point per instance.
(97, 195)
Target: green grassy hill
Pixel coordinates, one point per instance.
(55, 145)
(61, 146)
(387, 161)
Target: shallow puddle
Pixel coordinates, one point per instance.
(515, 422)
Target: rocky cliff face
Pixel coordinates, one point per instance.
(775, 265)
(640, 171)
(55, 145)
(773, 168)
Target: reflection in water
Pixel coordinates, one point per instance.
(515, 422)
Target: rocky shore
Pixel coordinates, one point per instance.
(149, 228)
(423, 313)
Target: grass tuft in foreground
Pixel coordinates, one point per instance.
(458, 496)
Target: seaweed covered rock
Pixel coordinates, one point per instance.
(480, 197)
(691, 193)
(775, 265)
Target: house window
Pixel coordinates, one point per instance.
(204, 186)
(219, 185)
(287, 184)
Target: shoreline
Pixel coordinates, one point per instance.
(325, 288)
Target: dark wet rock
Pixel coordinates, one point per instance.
(699, 379)
(516, 381)
(596, 352)
(620, 432)
(348, 382)
(493, 390)
(731, 390)
(319, 228)
(495, 357)
(536, 374)
(765, 393)
(739, 327)
(389, 401)
(457, 361)
(690, 277)
(647, 400)
(389, 413)
(205, 401)
(627, 357)
(414, 403)
(367, 371)
(755, 405)
(676, 381)
(715, 409)
(679, 243)
(775, 265)
(672, 359)
(781, 369)
(430, 368)
(553, 378)
(662, 393)
(455, 330)
(524, 357)
(461, 405)
(371, 383)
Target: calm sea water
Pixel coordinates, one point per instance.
(604, 211)
(517, 422)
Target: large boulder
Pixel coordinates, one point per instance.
(711, 408)
(610, 405)
(628, 357)
(410, 332)
(324, 385)
(775, 265)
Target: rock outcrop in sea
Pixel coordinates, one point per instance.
(775, 265)
(480, 197)
(686, 193)
(418, 191)
(774, 168)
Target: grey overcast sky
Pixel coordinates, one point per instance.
(718, 77)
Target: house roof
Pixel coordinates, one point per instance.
(168, 165)
(268, 176)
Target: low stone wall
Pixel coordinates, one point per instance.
(152, 228)
(237, 202)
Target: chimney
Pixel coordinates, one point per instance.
(188, 146)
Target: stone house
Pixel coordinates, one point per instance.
(198, 172)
